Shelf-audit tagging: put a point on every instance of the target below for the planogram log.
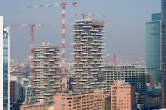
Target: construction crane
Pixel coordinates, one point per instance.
(63, 5)
(114, 57)
(84, 15)
(32, 26)
(125, 54)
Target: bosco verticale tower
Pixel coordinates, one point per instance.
(88, 51)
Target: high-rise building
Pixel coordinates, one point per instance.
(122, 96)
(4, 66)
(133, 74)
(88, 50)
(163, 51)
(156, 17)
(1, 62)
(153, 47)
(45, 73)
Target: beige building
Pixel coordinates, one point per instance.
(37, 107)
(91, 101)
(134, 74)
(122, 96)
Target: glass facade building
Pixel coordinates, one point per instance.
(5, 69)
(153, 47)
(156, 16)
(4, 66)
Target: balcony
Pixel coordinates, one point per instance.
(101, 47)
(78, 50)
(84, 33)
(79, 70)
(93, 50)
(84, 40)
(87, 66)
(84, 60)
(36, 70)
(84, 53)
(36, 60)
(94, 30)
(51, 50)
(37, 50)
(77, 30)
(74, 83)
(94, 70)
(87, 27)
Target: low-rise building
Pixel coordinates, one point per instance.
(37, 107)
(89, 101)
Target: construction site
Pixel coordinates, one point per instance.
(86, 81)
(44, 74)
(88, 51)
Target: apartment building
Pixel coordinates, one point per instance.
(122, 96)
(89, 101)
(45, 71)
(133, 74)
(88, 51)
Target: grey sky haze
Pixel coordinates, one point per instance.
(125, 22)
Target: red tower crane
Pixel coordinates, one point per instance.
(32, 26)
(63, 5)
(125, 54)
(115, 61)
(84, 15)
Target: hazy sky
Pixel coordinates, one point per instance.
(125, 22)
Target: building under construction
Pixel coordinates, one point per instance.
(45, 75)
(133, 74)
(88, 50)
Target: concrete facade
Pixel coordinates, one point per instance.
(122, 96)
(135, 75)
(45, 76)
(91, 101)
(37, 107)
(88, 51)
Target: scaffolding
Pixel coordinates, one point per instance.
(88, 51)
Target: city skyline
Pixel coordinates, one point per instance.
(80, 54)
(116, 12)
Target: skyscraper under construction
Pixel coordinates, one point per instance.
(88, 51)
(45, 76)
